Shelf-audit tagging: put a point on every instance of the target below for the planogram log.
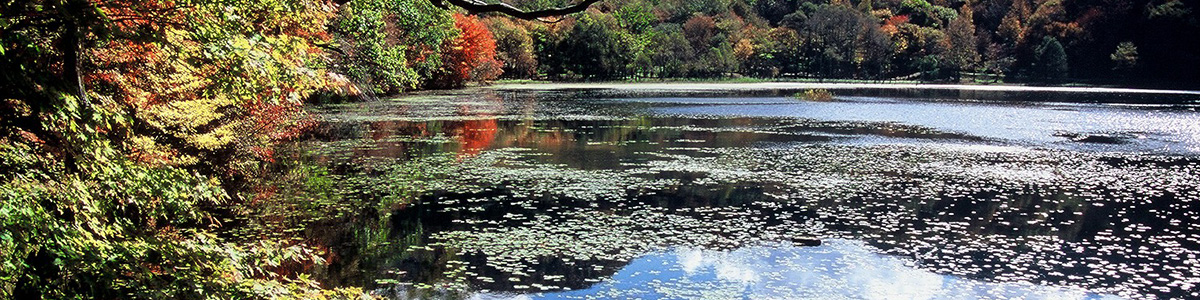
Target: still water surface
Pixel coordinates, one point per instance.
(605, 193)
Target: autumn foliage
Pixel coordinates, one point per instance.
(125, 127)
(177, 87)
(472, 56)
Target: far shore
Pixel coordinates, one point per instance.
(712, 86)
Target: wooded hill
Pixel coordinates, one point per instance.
(1110, 41)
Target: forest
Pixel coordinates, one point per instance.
(1010, 41)
(1041, 42)
(128, 128)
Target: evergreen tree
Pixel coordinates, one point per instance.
(1050, 60)
(1125, 58)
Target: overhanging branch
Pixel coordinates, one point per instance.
(477, 7)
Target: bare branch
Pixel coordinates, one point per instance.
(477, 7)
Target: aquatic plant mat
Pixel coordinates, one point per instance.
(583, 194)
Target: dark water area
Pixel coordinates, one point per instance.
(601, 194)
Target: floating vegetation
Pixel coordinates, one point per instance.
(941, 205)
(815, 95)
(571, 206)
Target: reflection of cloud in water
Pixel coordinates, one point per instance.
(1159, 130)
(839, 269)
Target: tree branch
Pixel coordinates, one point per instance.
(478, 7)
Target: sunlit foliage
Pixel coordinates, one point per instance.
(124, 122)
(514, 48)
(1125, 57)
(899, 40)
(217, 90)
(389, 46)
(962, 54)
(470, 57)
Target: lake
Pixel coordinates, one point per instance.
(745, 192)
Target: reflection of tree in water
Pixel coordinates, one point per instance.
(1039, 216)
(474, 134)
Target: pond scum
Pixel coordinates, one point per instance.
(1018, 216)
(415, 219)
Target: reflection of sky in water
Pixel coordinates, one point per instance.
(1052, 217)
(839, 269)
(1157, 130)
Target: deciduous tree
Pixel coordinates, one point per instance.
(961, 54)
(470, 57)
(514, 48)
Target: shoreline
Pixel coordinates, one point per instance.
(753, 86)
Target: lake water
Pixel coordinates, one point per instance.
(674, 193)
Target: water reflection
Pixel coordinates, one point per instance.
(1060, 125)
(971, 212)
(554, 192)
(838, 269)
(601, 143)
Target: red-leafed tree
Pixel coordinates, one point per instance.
(470, 57)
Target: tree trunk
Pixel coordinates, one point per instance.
(69, 46)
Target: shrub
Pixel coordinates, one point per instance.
(815, 95)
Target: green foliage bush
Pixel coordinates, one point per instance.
(595, 49)
(815, 95)
(391, 45)
(1051, 60)
(514, 47)
(1125, 58)
(95, 200)
(103, 226)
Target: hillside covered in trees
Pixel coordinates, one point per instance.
(1020, 40)
(1122, 42)
(128, 128)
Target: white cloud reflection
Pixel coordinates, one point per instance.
(839, 269)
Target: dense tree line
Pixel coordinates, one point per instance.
(1017, 40)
